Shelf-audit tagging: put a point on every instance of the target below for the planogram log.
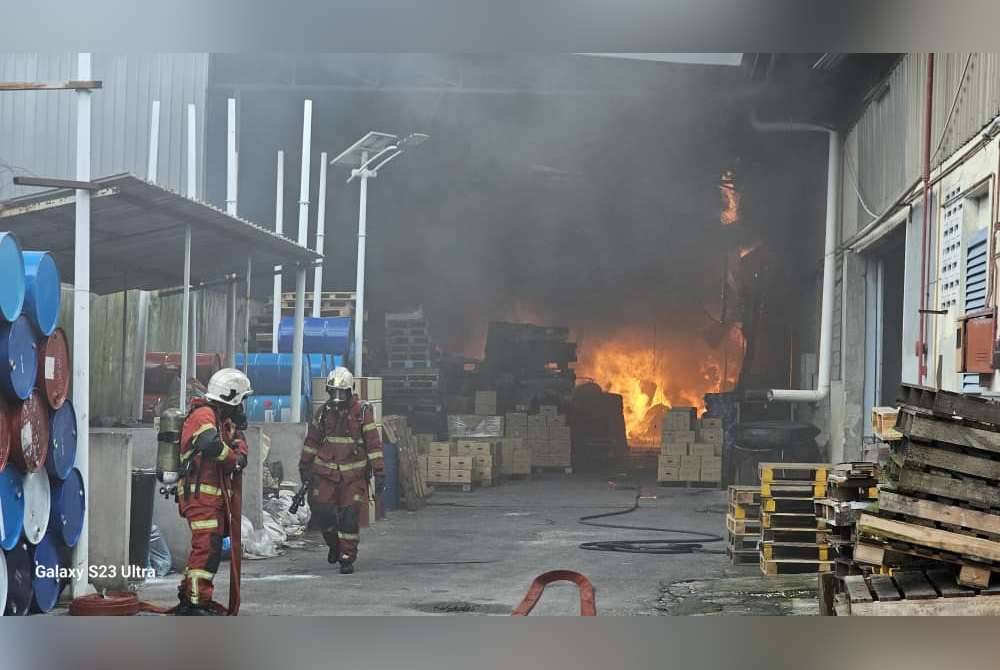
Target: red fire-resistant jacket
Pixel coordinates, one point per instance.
(340, 444)
(210, 472)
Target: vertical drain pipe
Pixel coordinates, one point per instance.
(921, 349)
(822, 389)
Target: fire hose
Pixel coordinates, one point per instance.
(588, 604)
(667, 547)
(128, 603)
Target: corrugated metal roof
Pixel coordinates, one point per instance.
(137, 236)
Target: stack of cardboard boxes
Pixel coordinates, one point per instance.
(463, 461)
(548, 438)
(691, 450)
(486, 403)
(515, 447)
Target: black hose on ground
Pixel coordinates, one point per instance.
(671, 547)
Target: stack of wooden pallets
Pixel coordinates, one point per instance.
(940, 495)
(331, 303)
(743, 524)
(851, 488)
(930, 592)
(792, 539)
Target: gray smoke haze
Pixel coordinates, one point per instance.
(556, 189)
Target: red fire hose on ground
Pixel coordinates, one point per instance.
(128, 603)
(588, 604)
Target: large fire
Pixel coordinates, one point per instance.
(730, 199)
(678, 373)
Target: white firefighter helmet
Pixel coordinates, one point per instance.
(340, 385)
(228, 386)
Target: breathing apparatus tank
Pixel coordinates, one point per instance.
(168, 451)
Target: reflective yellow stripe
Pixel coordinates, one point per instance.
(357, 497)
(369, 426)
(342, 467)
(224, 454)
(348, 536)
(204, 574)
(205, 488)
(205, 525)
(372, 455)
(193, 575)
(310, 451)
(340, 440)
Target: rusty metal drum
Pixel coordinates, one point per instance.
(30, 443)
(54, 371)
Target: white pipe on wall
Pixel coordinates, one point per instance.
(279, 218)
(300, 274)
(320, 227)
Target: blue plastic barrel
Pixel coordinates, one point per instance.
(256, 405)
(11, 507)
(18, 358)
(62, 441)
(41, 290)
(45, 562)
(69, 501)
(19, 587)
(320, 365)
(11, 277)
(271, 374)
(331, 335)
(390, 496)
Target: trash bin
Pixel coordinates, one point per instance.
(141, 518)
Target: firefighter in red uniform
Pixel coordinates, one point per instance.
(342, 447)
(213, 451)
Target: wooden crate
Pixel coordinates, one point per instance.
(884, 423)
(931, 592)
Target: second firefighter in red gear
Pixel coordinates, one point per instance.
(342, 447)
(213, 451)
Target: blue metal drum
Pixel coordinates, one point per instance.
(69, 501)
(271, 374)
(62, 441)
(46, 588)
(18, 358)
(37, 505)
(11, 507)
(41, 294)
(280, 405)
(11, 278)
(19, 587)
(320, 335)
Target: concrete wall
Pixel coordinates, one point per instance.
(109, 495)
(286, 446)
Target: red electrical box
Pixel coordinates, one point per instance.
(974, 341)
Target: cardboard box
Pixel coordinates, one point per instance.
(474, 425)
(548, 410)
(461, 463)
(367, 388)
(423, 442)
(482, 461)
(558, 420)
(713, 436)
(669, 460)
(668, 474)
(538, 427)
(674, 448)
(460, 476)
(439, 449)
(487, 397)
(711, 423)
(438, 463)
(679, 419)
(438, 475)
(679, 436)
(701, 449)
(711, 469)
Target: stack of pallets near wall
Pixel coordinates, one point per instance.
(939, 500)
(331, 303)
(413, 384)
(851, 488)
(743, 524)
(793, 540)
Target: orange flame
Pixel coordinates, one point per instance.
(730, 199)
(679, 374)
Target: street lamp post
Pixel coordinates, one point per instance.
(365, 158)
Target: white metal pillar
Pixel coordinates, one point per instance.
(300, 274)
(231, 193)
(279, 217)
(246, 332)
(359, 297)
(231, 324)
(320, 227)
(192, 191)
(81, 316)
(142, 320)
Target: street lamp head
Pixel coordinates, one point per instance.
(369, 145)
(413, 139)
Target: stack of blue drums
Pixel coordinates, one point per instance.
(42, 494)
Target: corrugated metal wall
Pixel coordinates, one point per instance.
(38, 128)
(884, 150)
(38, 137)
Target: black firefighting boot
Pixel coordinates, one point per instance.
(186, 608)
(331, 556)
(347, 567)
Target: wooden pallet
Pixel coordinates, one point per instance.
(838, 513)
(794, 550)
(463, 487)
(740, 511)
(688, 484)
(934, 592)
(793, 472)
(742, 526)
(938, 514)
(790, 566)
(737, 542)
(790, 520)
(744, 495)
(411, 477)
(551, 469)
(788, 489)
(805, 506)
(743, 557)
(795, 535)
(948, 404)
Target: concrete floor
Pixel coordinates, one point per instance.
(478, 552)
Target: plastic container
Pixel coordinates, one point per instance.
(11, 278)
(271, 374)
(18, 358)
(279, 405)
(41, 291)
(330, 335)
